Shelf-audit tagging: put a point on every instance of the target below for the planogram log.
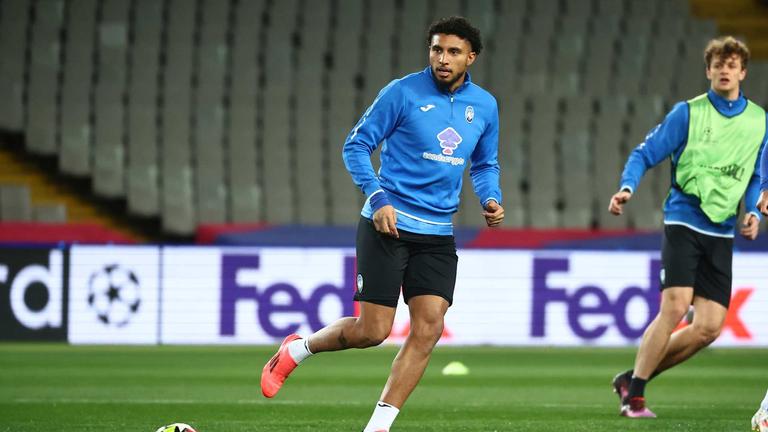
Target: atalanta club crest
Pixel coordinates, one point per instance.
(469, 114)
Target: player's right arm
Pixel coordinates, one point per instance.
(762, 203)
(667, 138)
(377, 123)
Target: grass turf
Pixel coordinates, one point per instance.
(216, 389)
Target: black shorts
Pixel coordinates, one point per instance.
(692, 259)
(420, 264)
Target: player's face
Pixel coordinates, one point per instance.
(726, 74)
(449, 57)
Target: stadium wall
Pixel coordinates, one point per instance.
(249, 295)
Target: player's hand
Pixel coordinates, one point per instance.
(494, 213)
(384, 221)
(762, 203)
(750, 227)
(617, 202)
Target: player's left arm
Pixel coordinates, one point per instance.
(753, 197)
(485, 171)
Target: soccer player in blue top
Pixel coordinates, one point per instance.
(762, 203)
(714, 142)
(431, 124)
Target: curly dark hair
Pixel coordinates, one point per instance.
(458, 26)
(725, 47)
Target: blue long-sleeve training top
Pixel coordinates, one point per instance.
(764, 168)
(669, 140)
(429, 136)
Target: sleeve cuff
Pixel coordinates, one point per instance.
(378, 199)
(757, 215)
(628, 188)
(491, 199)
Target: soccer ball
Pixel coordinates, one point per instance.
(113, 293)
(760, 421)
(176, 427)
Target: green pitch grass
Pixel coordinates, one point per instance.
(216, 389)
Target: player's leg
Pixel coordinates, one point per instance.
(426, 313)
(656, 339)
(674, 305)
(369, 329)
(707, 322)
(712, 296)
(381, 261)
(428, 286)
(680, 254)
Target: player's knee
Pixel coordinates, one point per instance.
(707, 334)
(428, 331)
(376, 334)
(674, 311)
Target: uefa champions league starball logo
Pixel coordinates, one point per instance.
(113, 293)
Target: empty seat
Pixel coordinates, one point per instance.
(244, 188)
(679, 8)
(43, 72)
(178, 211)
(598, 74)
(444, 8)
(643, 9)
(512, 159)
(545, 8)
(566, 70)
(577, 8)
(378, 56)
(505, 62)
(543, 178)
(645, 211)
(661, 74)
(482, 14)
(611, 7)
(690, 78)
(576, 161)
(143, 167)
(412, 53)
(279, 205)
(109, 97)
(608, 157)
(14, 20)
(311, 145)
(630, 65)
(15, 203)
(212, 58)
(49, 213)
(177, 193)
(345, 199)
(573, 26)
(76, 128)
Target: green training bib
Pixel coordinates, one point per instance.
(720, 156)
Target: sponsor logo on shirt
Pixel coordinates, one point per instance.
(449, 141)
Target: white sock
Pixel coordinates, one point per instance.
(382, 418)
(764, 405)
(298, 350)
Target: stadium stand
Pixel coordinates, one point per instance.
(232, 112)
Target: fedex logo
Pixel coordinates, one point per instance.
(268, 308)
(592, 300)
(602, 305)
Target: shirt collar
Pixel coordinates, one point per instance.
(727, 107)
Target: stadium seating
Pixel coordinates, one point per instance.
(215, 112)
